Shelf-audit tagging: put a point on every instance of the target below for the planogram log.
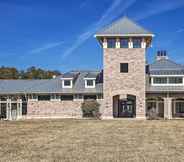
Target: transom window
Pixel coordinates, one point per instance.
(111, 43)
(137, 42)
(124, 43)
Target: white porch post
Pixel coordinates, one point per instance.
(8, 108)
(168, 108)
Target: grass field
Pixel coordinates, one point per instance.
(90, 140)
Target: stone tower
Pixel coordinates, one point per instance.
(124, 47)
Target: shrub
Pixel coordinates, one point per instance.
(90, 109)
(152, 114)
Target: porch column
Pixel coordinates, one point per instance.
(8, 109)
(168, 108)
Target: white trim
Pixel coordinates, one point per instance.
(166, 84)
(66, 78)
(92, 86)
(167, 75)
(124, 35)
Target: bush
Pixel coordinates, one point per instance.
(90, 109)
(152, 114)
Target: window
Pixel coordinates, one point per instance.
(111, 43)
(124, 43)
(160, 80)
(67, 97)
(124, 67)
(90, 97)
(44, 98)
(55, 97)
(89, 83)
(179, 107)
(175, 80)
(67, 83)
(137, 42)
(33, 97)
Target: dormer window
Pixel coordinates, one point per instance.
(90, 82)
(67, 83)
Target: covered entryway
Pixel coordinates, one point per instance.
(124, 108)
(156, 105)
(12, 107)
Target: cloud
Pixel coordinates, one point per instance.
(157, 7)
(45, 47)
(180, 30)
(116, 9)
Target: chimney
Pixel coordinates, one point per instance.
(161, 55)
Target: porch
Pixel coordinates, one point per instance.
(166, 107)
(12, 108)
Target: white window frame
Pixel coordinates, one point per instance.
(167, 84)
(94, 82)
(67, 79)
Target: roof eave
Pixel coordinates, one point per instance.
(124, 35)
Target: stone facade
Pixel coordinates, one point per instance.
(123, 84)
(54, 109)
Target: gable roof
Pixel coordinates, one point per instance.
(124, 27)
(166, 67)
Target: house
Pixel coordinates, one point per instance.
(126, 87)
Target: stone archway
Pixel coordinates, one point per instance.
(124, 107)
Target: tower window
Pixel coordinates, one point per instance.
(124, 67)
(124, 43)
(111, 43)
(137, 42)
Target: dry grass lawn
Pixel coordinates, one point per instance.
(90, 140)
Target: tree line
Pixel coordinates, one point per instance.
(29, 73)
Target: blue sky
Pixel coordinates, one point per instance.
(58, 34)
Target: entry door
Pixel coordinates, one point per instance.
(126, 108)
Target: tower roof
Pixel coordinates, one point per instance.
(124, 27)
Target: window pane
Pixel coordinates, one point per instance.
(67, 97)
(161, 80)
(124, 67)
(137, 43)
(111, 43)
(175, 80)
(67, 82)
(90, 97)
(124, 43)
(44, 98)
(89, 82)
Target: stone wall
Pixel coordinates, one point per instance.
(55, 109)
(116, 83)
